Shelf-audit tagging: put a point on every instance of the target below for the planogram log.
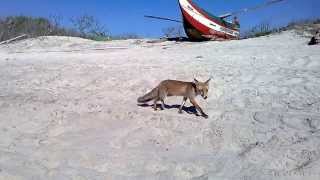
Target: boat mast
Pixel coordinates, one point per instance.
(162, 18)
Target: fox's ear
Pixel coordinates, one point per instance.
(195, 80)
(207, 82)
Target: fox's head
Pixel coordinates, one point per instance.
(202, 88)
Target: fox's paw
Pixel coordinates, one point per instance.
(180, 112)
(205, 116)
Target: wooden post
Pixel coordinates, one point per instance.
(13, 39)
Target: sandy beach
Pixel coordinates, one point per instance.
(68, 110)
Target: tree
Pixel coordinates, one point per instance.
(171, 32)
(88, 26)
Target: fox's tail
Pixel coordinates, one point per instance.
(149, 96)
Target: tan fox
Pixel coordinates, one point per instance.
(178, 88)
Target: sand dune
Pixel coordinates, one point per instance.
(68, 110)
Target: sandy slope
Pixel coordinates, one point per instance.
(73, 114)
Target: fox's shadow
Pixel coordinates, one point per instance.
(189, 110)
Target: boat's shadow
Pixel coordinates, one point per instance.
(178, 39)
(189, 110)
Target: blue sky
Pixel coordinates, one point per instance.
(126, 16)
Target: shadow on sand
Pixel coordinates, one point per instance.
(189, 110)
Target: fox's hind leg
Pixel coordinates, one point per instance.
(162, 97)
(163, 105)
(155, 104)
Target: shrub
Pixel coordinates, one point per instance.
(173, 32)
(261, 29)
(84, 26)
(302, 27)
(13, 26)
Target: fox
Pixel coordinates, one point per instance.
(188, 90)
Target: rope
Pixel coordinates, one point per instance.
(268, 3)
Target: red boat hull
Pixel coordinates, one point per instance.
(200, 26)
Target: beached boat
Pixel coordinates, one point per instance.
(201, 25)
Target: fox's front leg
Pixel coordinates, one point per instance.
(193, 101)
(183, 102)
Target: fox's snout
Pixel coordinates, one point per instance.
(204, 94)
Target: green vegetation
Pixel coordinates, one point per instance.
(84, 26)
(305, 26)
(13, 26)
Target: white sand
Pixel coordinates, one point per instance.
(73, 115)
